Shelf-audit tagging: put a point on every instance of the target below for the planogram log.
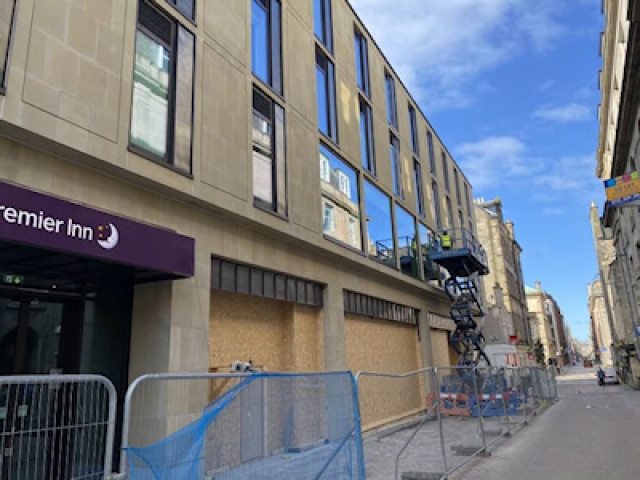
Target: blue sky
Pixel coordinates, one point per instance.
(511, 87)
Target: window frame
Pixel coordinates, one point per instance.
(451, 217)
(445, 171)
(467, 198)
(417, 175)
(362, 67)
(326, 24)
(168, 160)
(279, 165)
(413, 130)
(437, 211)
(390, 94)
(274, 47)
(330, 94)
(368, 142)
(9, 42)
(396, 165)
(456, 179)
(433, 168)
(174, 4)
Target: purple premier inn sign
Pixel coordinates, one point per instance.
(43, 221)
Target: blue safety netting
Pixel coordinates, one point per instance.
(268, 426)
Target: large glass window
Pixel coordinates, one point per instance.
(326, 96)
(162, 106)
(366, 137)
(269, 158)
(407, 246)
(445, 170)
(266, 42)
(340, 200)
(6, 21)
(380, 245)
(396, 166)
(413, 125)
(390, 91)
(322, 22)
(362, 63)
(436, 205)
(417, 178)
(432, 155)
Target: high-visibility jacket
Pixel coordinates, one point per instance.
(445, 241)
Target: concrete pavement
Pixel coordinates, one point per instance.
(591, 433)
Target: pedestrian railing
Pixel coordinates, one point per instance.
(56, 427)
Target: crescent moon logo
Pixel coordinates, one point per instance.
(112, 240)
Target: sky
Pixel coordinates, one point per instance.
(511, 87)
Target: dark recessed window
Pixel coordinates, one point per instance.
(413, 125)
(6, 22)
(417, 176)
(266, 42)
(362, 63)
(450, 213)
(432, 155)
(456, 180)
(396, 165)
(390, 91)
(322, 23)
(436, 205)
(445, 170)
(162, 104)
(326, 96)
(366, 137)
(467, 199)
(269, 158)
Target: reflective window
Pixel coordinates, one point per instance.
(417, 179)
(407, 246)
(390, 91)
(266, 42)
(380, 245)
(366, 137)
(326, 96)
(396, 166)
(362, 63)
(187, 7)
(430, 269)
(340, 200)
(269, 159)
(162, 103)
(432, 155)
(6, 21)
(413, 125)
(436, 205)
(322, 22)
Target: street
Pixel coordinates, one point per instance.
(591, 433)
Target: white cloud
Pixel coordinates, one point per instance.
(572, 112)
(499, 162)
(438, 48)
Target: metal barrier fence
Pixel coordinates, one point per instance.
(262, 425)
(56, 427)
(431, 422)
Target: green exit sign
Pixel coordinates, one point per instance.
(12, 279)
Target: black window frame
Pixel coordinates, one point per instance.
(330, 93)
(467, 198)
(9, 43)
(445, 171)
(390, 94)
(413, 127)
(368, 163)
(433, 168)
(327, 25)
(396, 165)
(361, 47)
(172, 46)
(275, 73)
(450, 215)
(278, 186)
(456, 179)
(437, 211)
(417, 176)
(177, 5)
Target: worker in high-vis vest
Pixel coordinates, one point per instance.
(445, 240)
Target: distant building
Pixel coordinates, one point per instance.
(506, 327)
(547, 324)
(601, 333)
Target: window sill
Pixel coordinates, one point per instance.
(157, 160)
(266, 209)
(335, 241)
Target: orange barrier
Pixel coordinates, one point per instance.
(454, 404)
